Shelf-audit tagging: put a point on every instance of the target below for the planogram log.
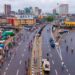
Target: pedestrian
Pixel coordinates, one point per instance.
(72, 50)
(47, 54)
(25, 63)
(66, 48)
(62, 65)
(71, 39)
(65, 40)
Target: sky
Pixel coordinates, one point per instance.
(45, 5)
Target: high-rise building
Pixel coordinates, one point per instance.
(37, 11)
(54, 11)
(7, 9)
(63, 9)
(21, 12)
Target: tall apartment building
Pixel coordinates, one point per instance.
(7, 9)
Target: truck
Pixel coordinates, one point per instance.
(46, 66)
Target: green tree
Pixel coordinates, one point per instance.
(49, 18)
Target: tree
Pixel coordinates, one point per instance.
(49, 18)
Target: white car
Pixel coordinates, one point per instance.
(46, 65)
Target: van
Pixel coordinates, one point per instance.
(46, 65)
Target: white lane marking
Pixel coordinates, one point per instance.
(58, 50)
(67, 70)
(52, 62)
(6, 68)
(8, 64)
(48, 46)
(22, 55)
(4, 73)
(11, 58)
(20, 62)
(56, 72)
(17, 72)
(24, 50)
(69, 74)
(65, 66)
(10, 61)
(51, 55)
(20, 43)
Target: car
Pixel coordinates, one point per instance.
(65, 31)
(52, 43)
(46, 65)
(51, 39)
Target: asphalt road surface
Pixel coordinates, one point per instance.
(54, 58)
(16, 65)
(68, 56)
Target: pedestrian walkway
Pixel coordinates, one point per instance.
(36, 68)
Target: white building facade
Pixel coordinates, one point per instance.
(63, 9)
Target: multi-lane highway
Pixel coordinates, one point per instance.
(68, 56)
(16, 65)
(55, 57)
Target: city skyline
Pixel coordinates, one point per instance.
(46, 6)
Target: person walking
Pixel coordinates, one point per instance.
(62, 65)
(65, 40)
(72, 50)
(66, 48)
(71, 39)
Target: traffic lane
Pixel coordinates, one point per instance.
(13, 67)
(23, 46)
(13, 64)
(68, 56)
(46, 49)
(45, 44)
(57, 63)
(26, 55)
(8, 60)
(55, 59)
(66, 72)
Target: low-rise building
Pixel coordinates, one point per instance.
(26, 19)
(70, 21)
(20, 20)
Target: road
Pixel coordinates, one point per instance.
(16, 65)
(68, 56)
(54, 57)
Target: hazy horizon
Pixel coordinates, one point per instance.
(46, 6)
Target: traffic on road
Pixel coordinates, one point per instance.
(39, 52)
